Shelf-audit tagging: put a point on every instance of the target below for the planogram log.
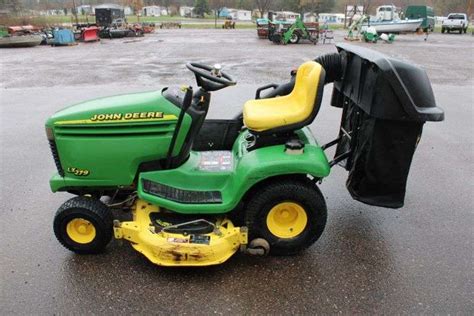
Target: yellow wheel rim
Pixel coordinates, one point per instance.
(287, 220)
(81, 231)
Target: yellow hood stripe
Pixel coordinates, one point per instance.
(166, 117)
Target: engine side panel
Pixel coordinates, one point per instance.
(101, 143)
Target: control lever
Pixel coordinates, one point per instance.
(188, 97)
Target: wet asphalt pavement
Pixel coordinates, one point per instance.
(418, 259)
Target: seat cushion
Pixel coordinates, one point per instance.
(265, 114)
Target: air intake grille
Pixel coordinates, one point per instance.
(182, 196)
(54, 151)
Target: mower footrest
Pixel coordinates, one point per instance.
(175, 249)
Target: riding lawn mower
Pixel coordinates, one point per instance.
(199, 190)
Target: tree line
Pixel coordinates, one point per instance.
(441, 7)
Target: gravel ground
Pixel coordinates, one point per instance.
(369, 260)
(159, 58)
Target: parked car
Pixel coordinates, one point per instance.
(455, 22)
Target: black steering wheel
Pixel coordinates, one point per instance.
(210, 78)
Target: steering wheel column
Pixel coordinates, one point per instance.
(210, 78)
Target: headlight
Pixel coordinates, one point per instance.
(49, 133)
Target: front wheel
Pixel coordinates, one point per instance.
(295, 38)
(289, 214)
(83, 225)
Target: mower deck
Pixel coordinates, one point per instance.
(163, 245)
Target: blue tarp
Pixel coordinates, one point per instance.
(63, 37)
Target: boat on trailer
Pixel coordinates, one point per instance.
(20, 41)
(21, 36)
(400, 26)
(387, 20)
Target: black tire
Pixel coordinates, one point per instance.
(276, 38)
(442, 30)
(92, 211)
(295, 38)
(301, 192)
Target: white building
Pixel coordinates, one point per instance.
(310, 17)
(240, 15)
(186, 11)
(127, 10)
(152, 10)
(287, 16)
(331, 18)
(84, 9)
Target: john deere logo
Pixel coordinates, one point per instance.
(126, 116)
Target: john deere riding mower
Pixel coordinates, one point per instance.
(199, 190)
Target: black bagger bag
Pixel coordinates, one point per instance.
(385, 104)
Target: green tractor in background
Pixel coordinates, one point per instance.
(356, 32)
(197, 190)
(280, 33)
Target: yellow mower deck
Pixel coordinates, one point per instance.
(171, 249)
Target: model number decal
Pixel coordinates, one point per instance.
(78, 172)
(126, 116)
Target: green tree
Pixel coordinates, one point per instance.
(299, 6)
(263, 6)
(244, 4)
(167, 4)
(201, 7)
(14, 6)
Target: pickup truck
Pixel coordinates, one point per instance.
(455, 22)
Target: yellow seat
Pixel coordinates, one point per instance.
(296, 107)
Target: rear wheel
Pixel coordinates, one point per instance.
(83, 225)
(289, 214)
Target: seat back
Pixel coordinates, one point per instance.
(288, 112)
(305, 89)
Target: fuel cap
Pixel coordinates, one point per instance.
(294, 147)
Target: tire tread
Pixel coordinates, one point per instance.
(292, 188)
(99, 211)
